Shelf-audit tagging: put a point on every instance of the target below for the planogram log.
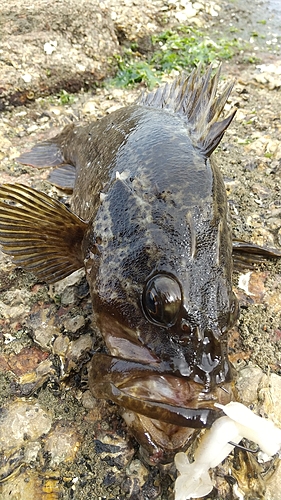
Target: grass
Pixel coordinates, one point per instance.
(177, 49)
(65, 97)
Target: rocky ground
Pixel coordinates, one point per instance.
(56, 440)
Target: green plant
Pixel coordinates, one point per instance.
(132, 71)
(188, 47)
(65, 97)
(177, 49)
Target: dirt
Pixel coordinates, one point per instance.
(47, 334)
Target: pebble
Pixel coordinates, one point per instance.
(20, 419)
(29, 486)
(248, 383)
(62, 443)
(80, 346)
(90, 108)
(74, 324)
(87, 400)
(45, 335)
(61, 345)
(65, 288)
(137, 472)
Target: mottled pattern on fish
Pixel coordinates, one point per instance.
(149, 222)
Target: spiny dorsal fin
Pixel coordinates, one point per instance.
(194, 98)
(40, 233)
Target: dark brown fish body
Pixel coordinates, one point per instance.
(157, 250)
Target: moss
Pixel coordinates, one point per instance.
(174, 49)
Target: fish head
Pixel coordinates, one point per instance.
(193, 318)
(159, 271)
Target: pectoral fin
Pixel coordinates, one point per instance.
(40, 233)
(246, 254)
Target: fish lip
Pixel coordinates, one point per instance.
(150, 391)
(202, 418)
(194, 418)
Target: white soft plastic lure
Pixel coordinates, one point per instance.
(194, 480)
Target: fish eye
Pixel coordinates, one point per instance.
(162, 300)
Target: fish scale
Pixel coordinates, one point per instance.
(149, 222)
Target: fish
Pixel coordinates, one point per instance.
(149, 222)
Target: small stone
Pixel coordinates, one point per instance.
(138, 469)
(26, 360)
(44, 368)
(80, 346)
(62, 443)
(88, 401)
(61, 345)
(45, 334)
(21, 419)
(50, 47)
(240, 115)
(31, 451)
(248, 382)
(270, 395)
(273, 483)
(74, 324)
(198, 6)
(27, 78)
(65, 288)
(261, 190)
(90, 107)
(252, 283)
(28, 485)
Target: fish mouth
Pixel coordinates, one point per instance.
(148, 390)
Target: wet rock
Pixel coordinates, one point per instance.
(28, 485)
(15, 305)
(77, 353)
(65, 291)
(88, 401)
(26, 360)
(248, 384)
(253, 285)
(74, 324)
(61, 345)
(22, 421)
(80, 346)
(70, 45)
(62, 443)
(114, 450)
(45, 334)
(137, 470)
(273, 485)
(54, 48)
(270, 395)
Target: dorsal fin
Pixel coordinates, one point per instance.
(194, 98)
(48, 153)
(40, 233)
